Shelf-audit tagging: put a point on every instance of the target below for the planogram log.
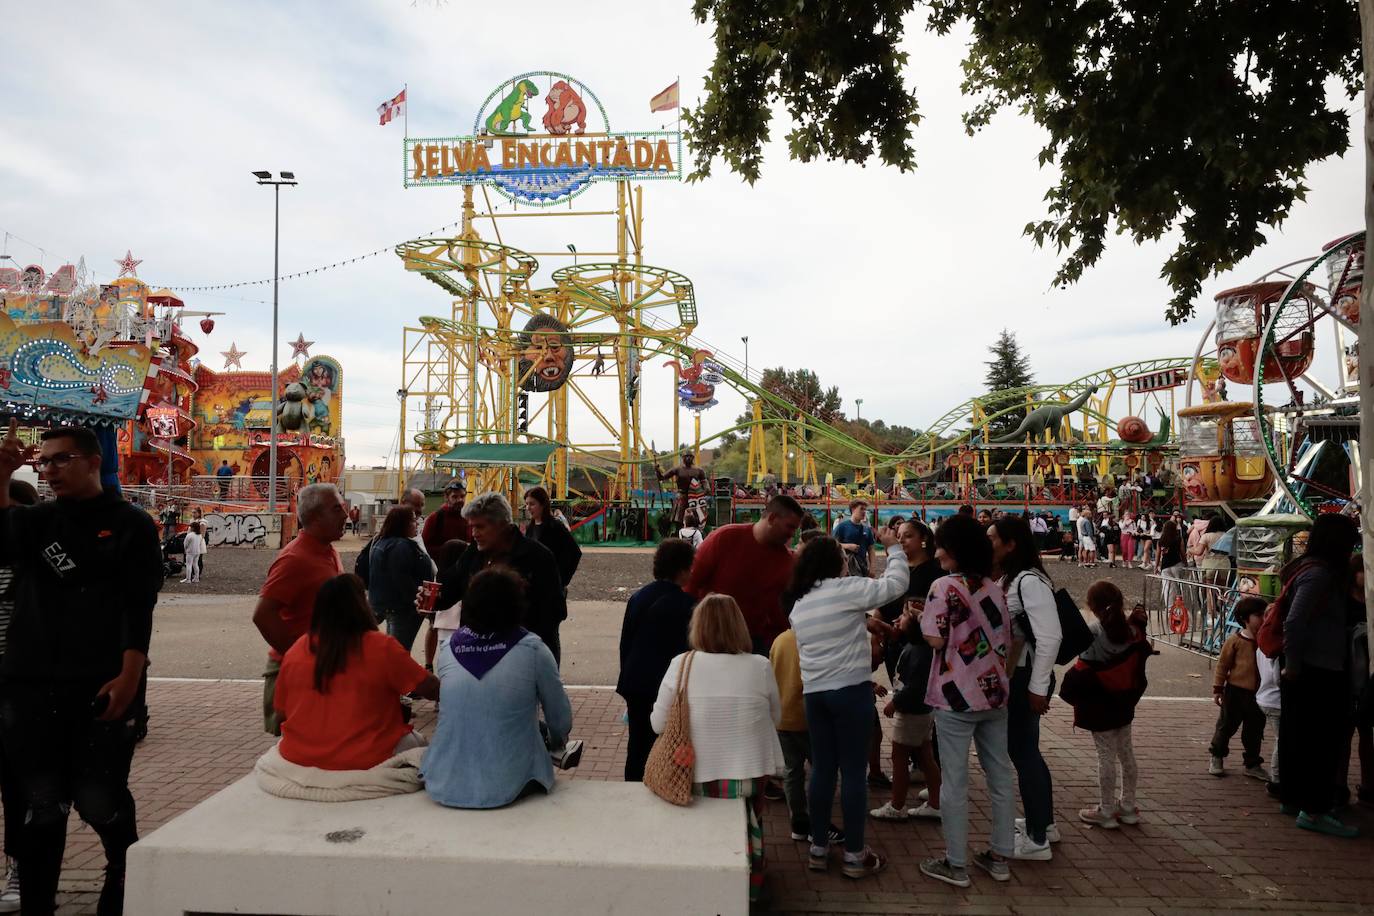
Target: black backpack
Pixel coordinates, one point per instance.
(1076, 635)
(361, 566)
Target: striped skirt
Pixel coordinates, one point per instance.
(751, 790)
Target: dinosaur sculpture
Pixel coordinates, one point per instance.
(1046, 416)
(512, 109)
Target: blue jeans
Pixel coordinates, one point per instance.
(988, 731)
(404, 625)
(840, 722)
(1023, 745)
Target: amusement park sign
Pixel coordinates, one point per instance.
(541, 168)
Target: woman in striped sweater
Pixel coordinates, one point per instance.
(829, 614)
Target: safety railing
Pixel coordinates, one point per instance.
(239, 489)
(1190, 609)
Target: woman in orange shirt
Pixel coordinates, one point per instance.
(340, 686)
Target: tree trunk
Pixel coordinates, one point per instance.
(1366, 335)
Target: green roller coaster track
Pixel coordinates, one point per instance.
(457, 266)
(941, 437)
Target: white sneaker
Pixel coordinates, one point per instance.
(888, 813)
(1129, 816)
(1051, 832)
(925, 811)
(9, 897)
(923, 795)
(1025, 848)
(1214, 767)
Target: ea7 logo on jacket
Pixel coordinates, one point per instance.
(57, 558)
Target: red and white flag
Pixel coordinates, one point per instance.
(665, 99)
(391, 109)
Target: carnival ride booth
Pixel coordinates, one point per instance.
(235, 424)
(74, 353)
(1242, 315)
(1221, 456)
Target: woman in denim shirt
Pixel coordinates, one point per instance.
(494, 676)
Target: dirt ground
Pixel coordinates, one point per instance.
(603, 576)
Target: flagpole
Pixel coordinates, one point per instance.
(405, 111)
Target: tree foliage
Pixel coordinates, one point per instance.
(802, 387)
(1161, 115)
(834, 66)
(1008, 368)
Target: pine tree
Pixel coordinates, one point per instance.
(1008, 368)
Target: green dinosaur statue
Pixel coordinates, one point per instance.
(1046, 417)
(512, 108)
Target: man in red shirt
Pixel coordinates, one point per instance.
(752, 564)
(446, 523)
(287, 599)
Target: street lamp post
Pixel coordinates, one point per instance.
(746, 357)
(288, 178)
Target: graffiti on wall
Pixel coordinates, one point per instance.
(242, 530)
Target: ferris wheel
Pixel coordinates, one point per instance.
(1288, 341)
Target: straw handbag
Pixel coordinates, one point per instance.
(668, 771)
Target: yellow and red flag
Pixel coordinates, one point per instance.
(665, 100)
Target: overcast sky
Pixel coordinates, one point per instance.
(135, 126)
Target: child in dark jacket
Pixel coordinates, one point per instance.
(911, 723)
(1103, 687)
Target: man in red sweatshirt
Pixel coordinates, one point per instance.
(446, 523)
(752, 564)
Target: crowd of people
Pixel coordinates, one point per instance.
(965, 619)
(774, 630)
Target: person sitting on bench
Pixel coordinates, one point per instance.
(494, 676)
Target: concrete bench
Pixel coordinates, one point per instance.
(589, 847)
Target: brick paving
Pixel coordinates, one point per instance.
(1205, 844)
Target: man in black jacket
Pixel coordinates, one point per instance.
(88, 570)
(496, 541)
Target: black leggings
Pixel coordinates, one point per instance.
(1313, 717)
(61, 756)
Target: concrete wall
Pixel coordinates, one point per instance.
(243, 529)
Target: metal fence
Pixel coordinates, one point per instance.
(1191, 609)
(238, 489)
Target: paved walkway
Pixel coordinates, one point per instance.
(1205, 844)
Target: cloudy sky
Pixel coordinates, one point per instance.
(135, 126)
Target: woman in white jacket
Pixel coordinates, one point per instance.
(1036, 636)
(829, 614)
(733, 705)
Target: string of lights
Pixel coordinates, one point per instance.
(243, 283)
(305, 273)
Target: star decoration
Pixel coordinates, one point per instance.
(232, 356)
(300, 346)
(128, 264)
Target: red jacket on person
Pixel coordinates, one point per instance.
(443, 525)
(1104, 694)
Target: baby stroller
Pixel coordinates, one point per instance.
(174, 555)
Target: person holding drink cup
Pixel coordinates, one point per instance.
(398, 567)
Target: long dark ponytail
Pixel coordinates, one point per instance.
(819, 559)
(341, 617)
(1023, 556)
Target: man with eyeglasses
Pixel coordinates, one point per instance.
(87, 573)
